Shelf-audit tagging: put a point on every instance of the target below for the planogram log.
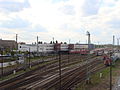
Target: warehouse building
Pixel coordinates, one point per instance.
(51, 48)
(8, 44)
(42, 48)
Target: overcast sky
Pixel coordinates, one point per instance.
(61, 19)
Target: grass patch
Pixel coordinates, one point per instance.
(96, 80)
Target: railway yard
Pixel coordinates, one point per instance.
(59, 45)
(61, 72)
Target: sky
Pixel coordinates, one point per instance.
(62, 19)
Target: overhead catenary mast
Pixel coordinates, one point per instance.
(53, 40)
(88, 68)
(16, 40)
(37, 45)
(118, 41)
(69, 41)
(16, 37)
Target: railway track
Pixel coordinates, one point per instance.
(8, 71)
(69, 79)
(28, 79)
(20, 67)
(81, 77)
(55, 79)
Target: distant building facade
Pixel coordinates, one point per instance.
(46, 48)
(49, 48)
(10, 44)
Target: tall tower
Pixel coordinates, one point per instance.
(89, 42)
(113, 40)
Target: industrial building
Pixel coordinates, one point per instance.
(50, 48)
(10, 44)
(46, 48)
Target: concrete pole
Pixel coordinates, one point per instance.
(113, 40)
(88, 71)
(89, 42)
(110, 74)
(98, 45)
(16, 41)
(69, 41)
(2, 72)
(111, 64)
(29, 59)
(37, 45)
(89, 39)
(53, 40)
(59, 70)
(16, 37)
(118, 41)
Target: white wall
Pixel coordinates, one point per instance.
(64, 47)
(117, 55)
(33, 47)
(47, 47)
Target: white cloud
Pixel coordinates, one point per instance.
(69, 19)
(91, 7)
(8, 6)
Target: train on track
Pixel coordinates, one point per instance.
(107, 60)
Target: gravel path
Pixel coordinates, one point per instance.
(117, 85)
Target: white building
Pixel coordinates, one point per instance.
(64, 47)
(46, 48)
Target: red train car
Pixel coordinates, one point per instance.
(78, 49)
(82, 52)
(107, 60)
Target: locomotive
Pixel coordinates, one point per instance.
(107, 60)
